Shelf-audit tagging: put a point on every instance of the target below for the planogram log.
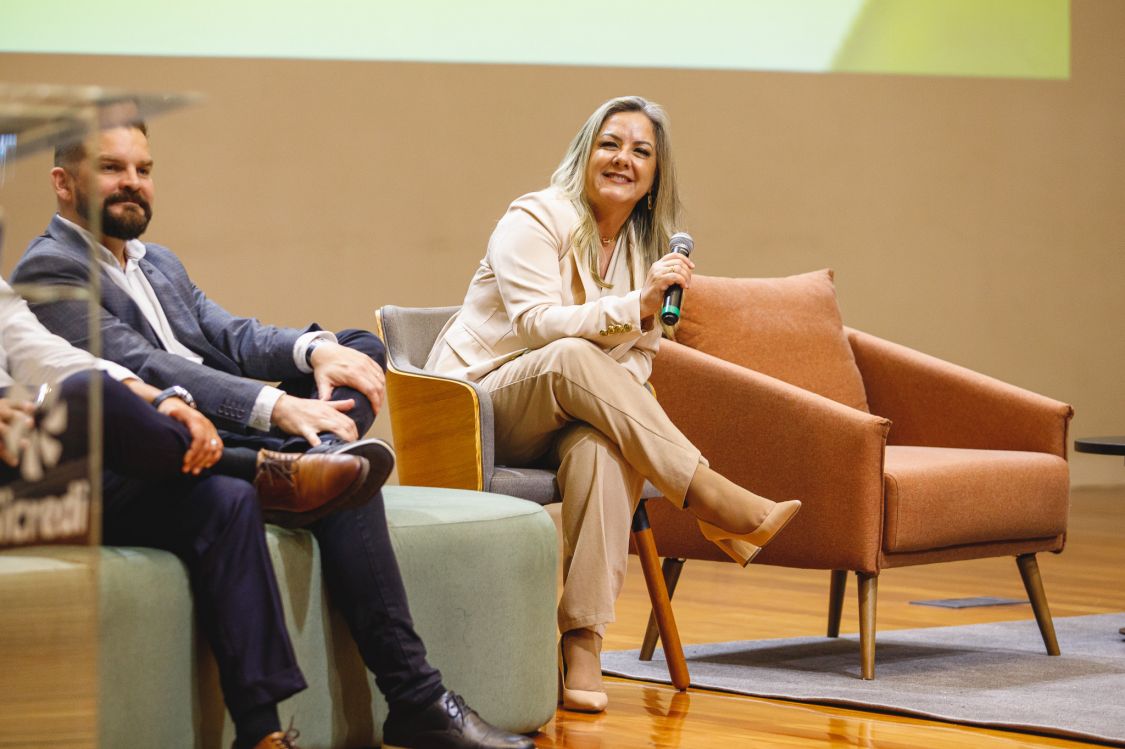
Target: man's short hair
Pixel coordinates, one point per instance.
(69, 155)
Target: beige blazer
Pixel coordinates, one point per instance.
(531, 289)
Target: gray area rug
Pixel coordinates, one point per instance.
(994, 675)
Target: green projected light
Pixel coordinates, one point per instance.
(1003, 38)
(1007, 38)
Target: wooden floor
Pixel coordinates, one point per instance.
(762, 602)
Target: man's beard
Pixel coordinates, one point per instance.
(125, 226)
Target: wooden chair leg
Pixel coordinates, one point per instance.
(836, 601)
(868, 590)
(671, 568)
(1033, 584)
(658, 596)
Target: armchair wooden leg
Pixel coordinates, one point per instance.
(658, 595)
(1033, 584)
(671, 568)
(868, 590)
(836, 601)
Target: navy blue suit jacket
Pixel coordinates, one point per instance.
(237, 352)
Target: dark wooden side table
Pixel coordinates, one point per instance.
(1102, 446)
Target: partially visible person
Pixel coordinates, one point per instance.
(158, 323)
(158, 491)
(560, 325)
(43, 360)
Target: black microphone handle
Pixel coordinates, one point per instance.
(670, 310)
(681, 244)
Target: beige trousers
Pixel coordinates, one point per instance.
(570, 401)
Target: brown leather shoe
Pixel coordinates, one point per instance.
(280, 740)
(296, 489)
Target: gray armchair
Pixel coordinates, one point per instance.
(443, 435)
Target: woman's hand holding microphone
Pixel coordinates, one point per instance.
(671, 269)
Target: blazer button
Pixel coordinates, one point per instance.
(602, 332)
(627, 327)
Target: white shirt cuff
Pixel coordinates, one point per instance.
(263, 408)
(301, 347)
(116, 371)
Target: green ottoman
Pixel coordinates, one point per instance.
(479, 571)
(480, 574)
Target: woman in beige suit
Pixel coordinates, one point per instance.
(560, 325)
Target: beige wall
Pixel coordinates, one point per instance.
(981, 220)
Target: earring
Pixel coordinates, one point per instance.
(650, 201)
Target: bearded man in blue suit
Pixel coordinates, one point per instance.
(156, 322)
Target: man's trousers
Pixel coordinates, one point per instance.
(212, 523)
(360, 568)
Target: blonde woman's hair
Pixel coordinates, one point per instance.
(652, 228)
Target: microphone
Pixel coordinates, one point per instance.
(674, 294)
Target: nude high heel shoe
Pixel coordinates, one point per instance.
(740, 551)
(719, 504)
(743, 547)
(580, 700)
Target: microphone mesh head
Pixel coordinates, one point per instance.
(681, 243)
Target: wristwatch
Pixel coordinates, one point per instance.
(312, 347)
(176, 391)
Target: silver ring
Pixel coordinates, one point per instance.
(214, 442)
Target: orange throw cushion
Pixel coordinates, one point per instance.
(789, 328)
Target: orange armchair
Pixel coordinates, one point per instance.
(928, 462)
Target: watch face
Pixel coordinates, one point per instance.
(177, 391)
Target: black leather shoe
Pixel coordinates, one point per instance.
(380, 459)
(448, 723)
